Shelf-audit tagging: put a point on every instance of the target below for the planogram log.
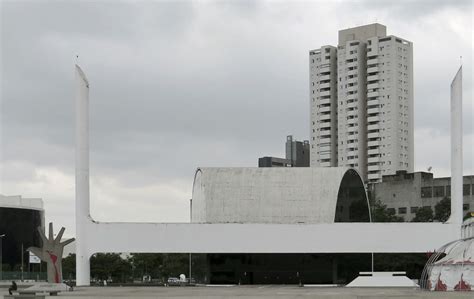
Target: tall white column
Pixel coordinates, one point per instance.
(456, 149)
(82, 178)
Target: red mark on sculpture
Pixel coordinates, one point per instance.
(462, 285)
(54, 259)
(440, 286)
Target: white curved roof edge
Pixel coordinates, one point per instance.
(18, 202)
(321, 169)
(339, 171)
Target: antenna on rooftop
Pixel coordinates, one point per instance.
(429, 169)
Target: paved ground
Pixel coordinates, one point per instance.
(253, 292)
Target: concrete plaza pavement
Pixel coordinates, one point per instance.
(254, 292)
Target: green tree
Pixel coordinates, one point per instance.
(110, 265)
(468, 215)
(443, 210)
(159, 265)
(380, 213)
(163, 265)
(175, 264)
(69, 267)
(424, 214)
(147, 264)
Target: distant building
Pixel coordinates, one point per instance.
(297, 152)
(297, 155)
(273, 162)
(404, 193)
(361, 99)
(19, 221)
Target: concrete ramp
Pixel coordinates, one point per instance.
(382, 279)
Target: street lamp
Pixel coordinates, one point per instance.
(1, 257)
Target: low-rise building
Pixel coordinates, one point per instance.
(273, 162)
(296, 155)
(404, 193)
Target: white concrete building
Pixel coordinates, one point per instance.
(323, 102)
(365, 105)
(281, 195)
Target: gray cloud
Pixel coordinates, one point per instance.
(177, 85)
(410, 9)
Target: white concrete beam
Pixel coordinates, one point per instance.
(269, 238)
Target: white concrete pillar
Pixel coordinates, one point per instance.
(82, 178)
(456, 150)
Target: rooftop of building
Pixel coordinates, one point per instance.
(363, 32)
(18, 202)
(402, 175)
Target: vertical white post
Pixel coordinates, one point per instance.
(456, 150)
(82, 178)
(191, 221)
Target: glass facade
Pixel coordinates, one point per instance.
(20, 227)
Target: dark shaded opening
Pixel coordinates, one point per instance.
(286, 268)
(352, 204)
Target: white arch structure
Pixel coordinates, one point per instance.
(93, 237)
(262, 195)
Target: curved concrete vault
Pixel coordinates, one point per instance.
(283, 195)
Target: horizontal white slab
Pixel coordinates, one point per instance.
(268, 238)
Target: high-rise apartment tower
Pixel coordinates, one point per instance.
(361, 98)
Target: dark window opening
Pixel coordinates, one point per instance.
(352, 203)
(426, 192)
(466, 189)
(438, 191)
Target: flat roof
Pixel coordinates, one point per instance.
(18, 202)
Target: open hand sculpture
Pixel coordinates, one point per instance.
(51, 252)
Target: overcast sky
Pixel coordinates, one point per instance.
(178, 85)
